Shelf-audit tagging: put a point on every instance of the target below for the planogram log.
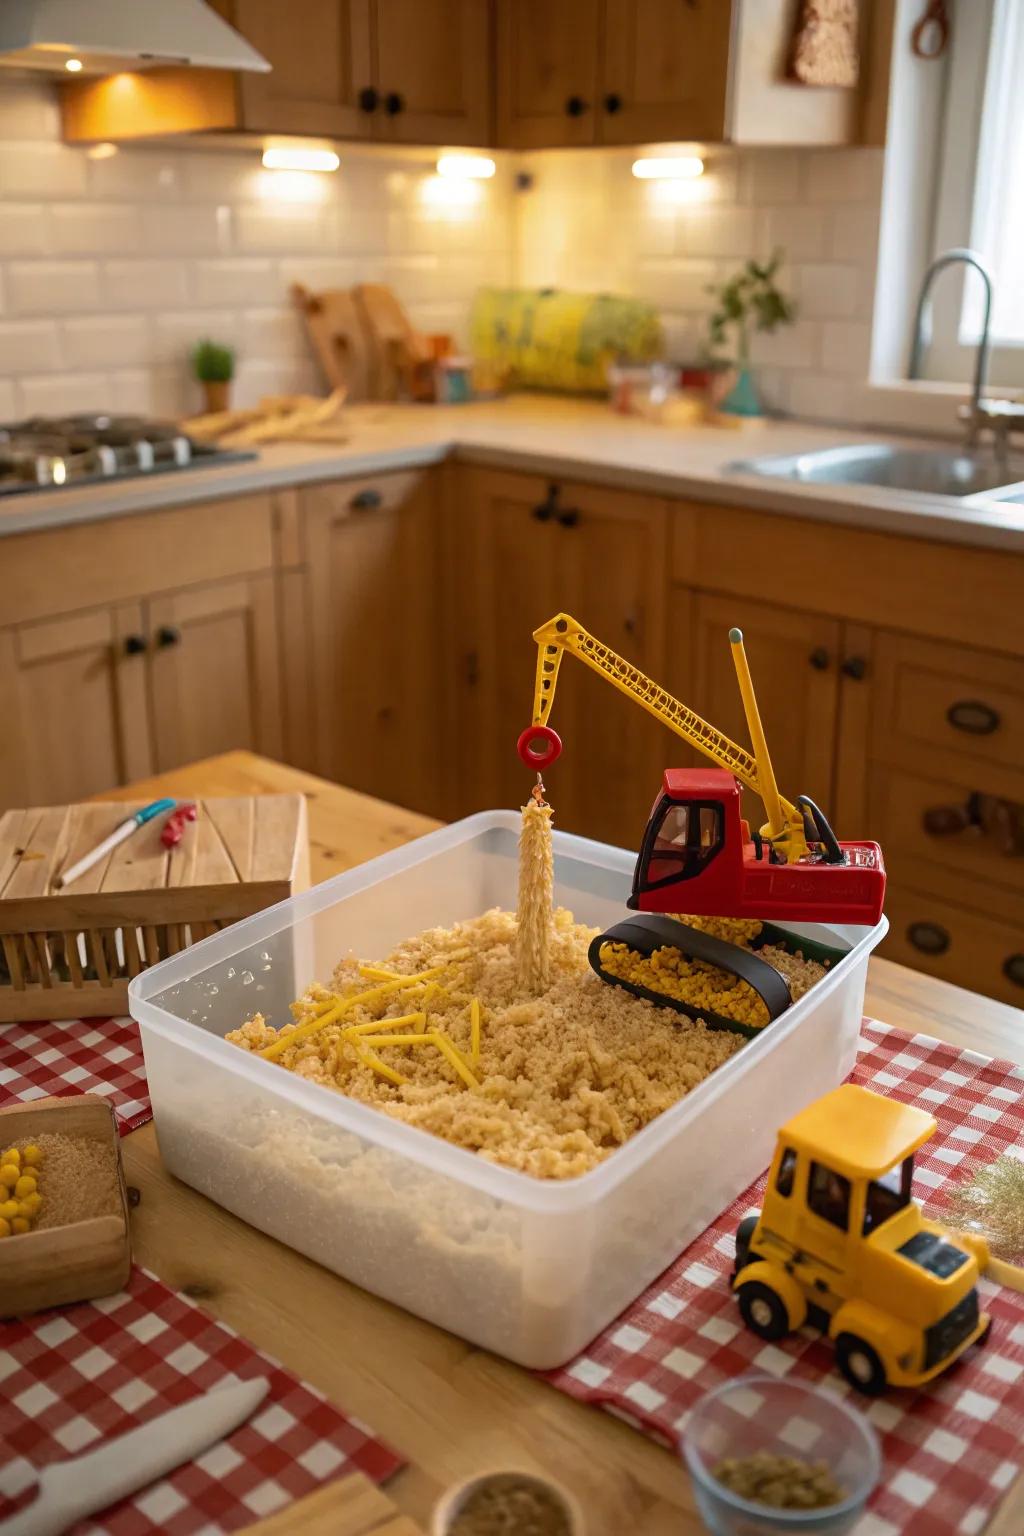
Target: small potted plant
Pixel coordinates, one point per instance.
(214, 367)
(749, 301)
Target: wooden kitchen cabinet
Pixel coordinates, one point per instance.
(531, 547)
(321, 64)
(214, 671)
(665, 70)
(432, 66)
(373, 615)
(549, 72)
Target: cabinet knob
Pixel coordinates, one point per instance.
(575, 106)
(546, 509)
(974, 717)
(613, 102)
(134, 645)
(929, 938)
(369, 101)
(569, 518)
(855, 667)
(819, 659)
(393, 104)
(168, 635)
(366, 501)
(1013, 969)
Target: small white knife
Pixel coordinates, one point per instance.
(70, 1490)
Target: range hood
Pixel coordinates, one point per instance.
(105, 36)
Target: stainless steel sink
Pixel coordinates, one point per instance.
(931, 471)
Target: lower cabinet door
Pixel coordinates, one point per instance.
(214, 671)
(73, 703)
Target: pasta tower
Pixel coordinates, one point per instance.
(536, 886)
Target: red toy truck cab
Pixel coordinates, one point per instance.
(698, 856)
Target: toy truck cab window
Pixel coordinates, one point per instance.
(887, 1195)
(828, 1196)
(787, 1172)
(682, 839)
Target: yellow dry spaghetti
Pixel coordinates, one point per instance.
(534, 911)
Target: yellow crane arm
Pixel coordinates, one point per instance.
(564, 633)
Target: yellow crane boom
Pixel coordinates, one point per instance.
(785, 825)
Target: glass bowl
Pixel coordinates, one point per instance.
(784, 1418)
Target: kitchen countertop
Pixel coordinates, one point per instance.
(581, 439)
(451, 1408)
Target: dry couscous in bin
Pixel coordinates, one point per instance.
(529, 1268)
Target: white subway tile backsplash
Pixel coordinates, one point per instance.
(9, 406)
(714, 231)
(42, 170)
(819, 397)
(842, 175)
(678, 284)
(27, 111)
(855, 235)
(22, 229)
(800, 232)
(145, 284)
(28, 346)
(111, 341)
(846, 347)
(828, 290)
(175, 335)
(237, 280)
(255, 379)
(56, 394)
(51, 287)
(792, 346)
(148, 175)
(272, 333)
(281, 228)
(88, 229)
(186, 229)
(770, 176)
(154, 391)
(318, 272)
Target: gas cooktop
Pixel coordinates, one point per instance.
(45, 452)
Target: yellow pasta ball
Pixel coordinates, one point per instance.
(19, 1225)
(9, 1208)
(5, 1227)
(30, 1206)
(12, 1155)
(26, 1185)
(10, 1173)
(32, 1156)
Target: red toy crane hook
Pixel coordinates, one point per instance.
(539, 746)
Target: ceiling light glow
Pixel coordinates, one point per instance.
(73, 66)
(668, 168)
(295, 158)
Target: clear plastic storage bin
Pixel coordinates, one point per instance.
(527, 1268)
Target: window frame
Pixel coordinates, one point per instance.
(658, 815)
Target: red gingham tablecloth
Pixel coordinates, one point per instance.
(101, 1056)
(75, 1375)
(951, 1449)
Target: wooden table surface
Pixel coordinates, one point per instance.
(449, 1407)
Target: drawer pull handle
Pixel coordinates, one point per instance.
(1013, 969)
(368, 99)
(974, 717)
(394, 103)
(569, 518)
(134, 645)
(168, 635)
(929, 938)
(613, 102)
(855, 667)
(575, 106)
(366, 501)
(547, 509)
(819, 659)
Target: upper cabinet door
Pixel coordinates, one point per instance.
(432, 71)
(666, 68)
(321, 65)
(548, 74)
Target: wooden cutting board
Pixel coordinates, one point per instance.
(337, 331)
(71, 953)
(395, 346)
(352, 1506)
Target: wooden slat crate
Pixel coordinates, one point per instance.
(71, 953)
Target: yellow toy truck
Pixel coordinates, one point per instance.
(840, 1244)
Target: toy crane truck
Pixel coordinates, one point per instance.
(842, 1245)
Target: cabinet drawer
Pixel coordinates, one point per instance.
(358, 497)
(967, 706)
(970, 948)
(916, 818)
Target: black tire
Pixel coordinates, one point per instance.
(860, 1364)
(744, 1233)
(763, 1310)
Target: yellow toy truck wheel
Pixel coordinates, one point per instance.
(763, 1310)
(861, 1365)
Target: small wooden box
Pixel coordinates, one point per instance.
(71, 953)
(76, 1262)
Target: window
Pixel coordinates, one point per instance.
(684, 838)
(787, 1171)
(979, 201)
(828, 1195)
(888, 1195)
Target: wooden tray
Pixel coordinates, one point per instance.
(77, 1262)
(352, 1506)
(71, 953)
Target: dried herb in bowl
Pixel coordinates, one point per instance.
(781, 1482)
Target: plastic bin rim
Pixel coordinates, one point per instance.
(545, 1196)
